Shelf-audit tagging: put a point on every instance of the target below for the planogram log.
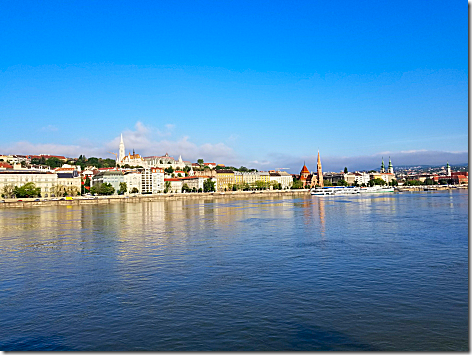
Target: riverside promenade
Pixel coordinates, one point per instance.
(80, 200)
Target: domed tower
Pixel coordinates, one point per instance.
(448, 169)
(390, 166)
(319, 172)
(382, 167)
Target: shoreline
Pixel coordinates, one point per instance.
(80, 200)
(30, 202)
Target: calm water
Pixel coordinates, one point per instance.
(378, 272)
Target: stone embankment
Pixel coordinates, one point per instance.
(30, 202)
(429, 188)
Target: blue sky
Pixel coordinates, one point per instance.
(256, 83)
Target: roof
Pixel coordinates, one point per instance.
(5, 165)
(224, 171)
(66, 175)
(30, 172)
(304, 170)
(172, 179)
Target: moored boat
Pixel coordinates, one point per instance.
(335, 190)
(377, 189)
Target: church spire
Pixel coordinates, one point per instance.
(319, 172)
(390, 166)
(121, 151)
(382, 167)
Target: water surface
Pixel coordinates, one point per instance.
(378, 272)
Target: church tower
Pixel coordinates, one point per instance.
(390, 166)
(448, 169)
(319, 172)
(382, 167)
(121, 152)
(304, 173)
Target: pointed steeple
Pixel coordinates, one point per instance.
(319, 172)
(121, 151)
(382, 167)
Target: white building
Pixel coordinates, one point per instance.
(152, 181)
(113, 177)
(197, 182)
(286, 179)
(175, 185)
(133, 180)
(166, 161)
(44, 180)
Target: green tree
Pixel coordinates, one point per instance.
(8, 191)
(379, 181)
(93, 161)
(134, 190)
(185, 188)
(200, 162)
(297, 184)
(27, 190)
(394, 182)
(327, 183)
(123, 188)
(167, 186)
(428, 181)
(169, 170)
(54, 162)
(342, 182)
(345, 170)
(208, 185)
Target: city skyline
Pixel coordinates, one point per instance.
(253, 84)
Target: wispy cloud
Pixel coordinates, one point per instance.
(145, 140)
(49, 128)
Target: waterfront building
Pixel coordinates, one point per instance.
(152, 180)
(175, 185)
(70, 179)
(275, 177)
(361, 178)
(387, 177)
(113, 177)
(133, 179)
(45, 180)
(225, 179)
(197, 181)
(286, 179)
(263, 176)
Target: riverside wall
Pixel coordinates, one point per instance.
(29, 202)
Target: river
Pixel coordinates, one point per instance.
(371, 272)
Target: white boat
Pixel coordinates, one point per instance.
(335, 190)
(377, 189)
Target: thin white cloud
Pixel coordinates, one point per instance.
(49, 128)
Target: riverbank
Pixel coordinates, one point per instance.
(80, 200)
(429, 188)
